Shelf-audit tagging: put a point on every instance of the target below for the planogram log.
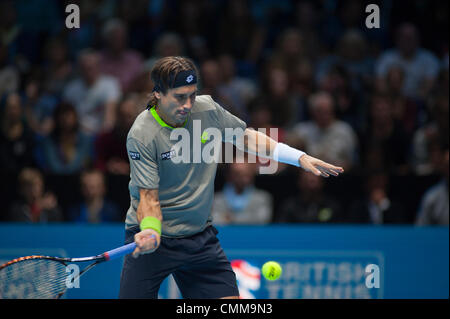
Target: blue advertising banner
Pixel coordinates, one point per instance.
(317, 261)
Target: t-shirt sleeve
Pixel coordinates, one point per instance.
(227, 121)
(143, 165)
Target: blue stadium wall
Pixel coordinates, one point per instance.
(318, 261)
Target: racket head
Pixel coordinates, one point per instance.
(45, 277)
(33, 277)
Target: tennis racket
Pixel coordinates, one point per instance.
(45, 277)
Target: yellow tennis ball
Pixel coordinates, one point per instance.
(271, 270)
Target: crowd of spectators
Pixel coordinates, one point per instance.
(374, 101)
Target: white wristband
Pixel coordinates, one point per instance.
(285, 154)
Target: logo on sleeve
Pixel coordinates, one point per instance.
(168, 155)
(135, 156)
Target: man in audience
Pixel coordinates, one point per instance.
(421, 67)
(93, 94)
(377, 207)
(325, 136)
(111, 153)
(311, 205)
(434, 208)
(116, 59)
(34, 205)
(240, 202)
(94, 208)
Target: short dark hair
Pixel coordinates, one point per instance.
(165, 71)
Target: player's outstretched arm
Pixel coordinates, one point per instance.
(149, 217)
(260, 144)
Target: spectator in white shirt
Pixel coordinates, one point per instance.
(421, 67)
(240, 202)
(117, 59)
(325, 136)
(94, 95)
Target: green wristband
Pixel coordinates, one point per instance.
(152, 223)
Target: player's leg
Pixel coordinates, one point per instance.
(141, 277)
(207, 273)
(137, 281)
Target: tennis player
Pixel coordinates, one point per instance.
(170, 213)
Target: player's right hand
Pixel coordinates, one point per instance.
(147, 241)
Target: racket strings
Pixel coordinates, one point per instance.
(33, 279)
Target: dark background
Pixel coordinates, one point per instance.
(209, 29)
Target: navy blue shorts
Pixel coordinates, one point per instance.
(198, 264)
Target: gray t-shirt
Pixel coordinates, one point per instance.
(185, 190)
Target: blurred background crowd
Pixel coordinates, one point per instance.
(374, 101)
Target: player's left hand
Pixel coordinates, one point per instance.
(319, 167)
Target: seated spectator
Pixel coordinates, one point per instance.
(405, 110)
(377, 208)
(386, 137)
(302, 85)
(276, 88)
(351, 54)
(421, 67)
(16, 140)
(311, 205)
(34, 205)
(117, 59)
(94, 208)
(240, 35)
(167, 44)
(326, 137)
(94, 95)
(442, 84)
(192, 22)
(237, 89)
(337, 82)
(211, 78)
(67, 150)
(9, 75)
(39, 107)
(111, 152)
(261, 120)
(58, 68)
(22, 42)
(142, 18)
(211, 81)
(143, 86)
(86, 36)
(240, 202)
(290, 48)
(426, 140)
(434, 208)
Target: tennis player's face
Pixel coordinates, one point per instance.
(176, 105)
